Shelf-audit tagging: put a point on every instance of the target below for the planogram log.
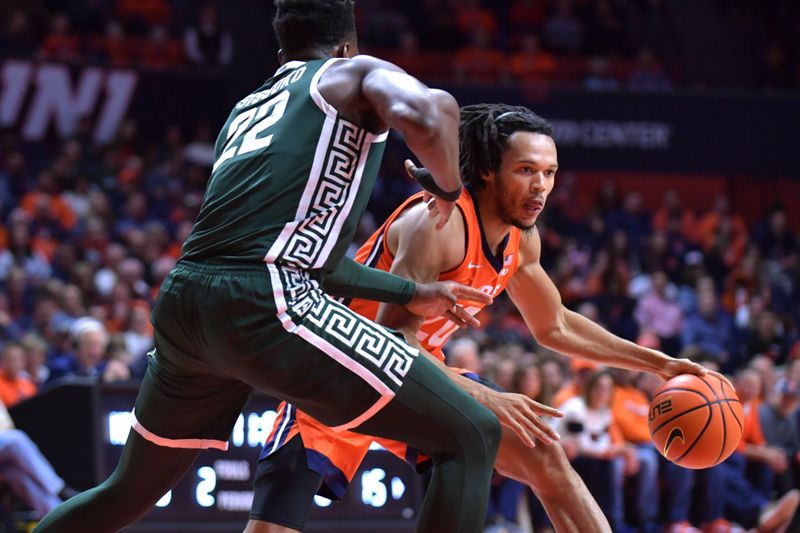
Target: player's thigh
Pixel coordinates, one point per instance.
(328, 361)
(178, 407)
(284, 488)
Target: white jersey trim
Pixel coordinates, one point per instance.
(192, 444)
(330, 350)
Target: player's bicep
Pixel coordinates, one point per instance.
(534, 293)
(420, 256)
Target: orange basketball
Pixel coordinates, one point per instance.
(696, 422)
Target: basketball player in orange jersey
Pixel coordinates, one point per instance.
(508, 162)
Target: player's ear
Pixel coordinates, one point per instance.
(346, 49)
(487, 178)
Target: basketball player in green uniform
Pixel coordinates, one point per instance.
(244, 308)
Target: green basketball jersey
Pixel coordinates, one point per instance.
(291, 178)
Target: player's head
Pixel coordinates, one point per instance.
(308, 29)
(510, 151)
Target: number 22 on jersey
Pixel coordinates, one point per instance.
(253, 121)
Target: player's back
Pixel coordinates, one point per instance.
(291, 177)
(479, 268)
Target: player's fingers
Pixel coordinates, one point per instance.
(520, 431)
(540, 425)
(470, 320)
(472, 294)
(537, 429)
(410, 167)
(457, 320)
(721, 377)
(546, 410)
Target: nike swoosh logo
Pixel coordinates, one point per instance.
(472, 265)
(674, 434)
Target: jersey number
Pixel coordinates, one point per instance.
(256, 120)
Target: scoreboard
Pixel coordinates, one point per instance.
(217, 492)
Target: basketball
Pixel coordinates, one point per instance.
(696, 422)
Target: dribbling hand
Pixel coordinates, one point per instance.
(676, 367)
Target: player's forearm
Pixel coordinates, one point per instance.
(354, 280)
(436, 144)
(578, 336)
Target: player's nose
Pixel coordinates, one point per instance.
(537, 182)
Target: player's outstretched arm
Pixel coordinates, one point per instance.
(556, 327)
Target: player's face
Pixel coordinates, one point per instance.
(526, 177)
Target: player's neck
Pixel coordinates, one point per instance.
(494, 229)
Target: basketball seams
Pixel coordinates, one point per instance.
(722, 414)
(692, 410)
(733, 413)
(684, 389)
(699, 435)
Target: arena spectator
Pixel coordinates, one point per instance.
(18, 36)
(658, 312)
(207, 43)
(15, 386)
(60, 44)
(464, 353)
(593, 442)
(35, 358)
(160, 50)
(723, 235)
(531, 62)
(672, 216)
(765, 338)
(88, 359)
(648, 76)
(709, 330)
(25, 470)
(779, 425)
(562, 30)
(479, 61)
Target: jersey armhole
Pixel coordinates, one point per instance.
(466, 235)
(331, 111)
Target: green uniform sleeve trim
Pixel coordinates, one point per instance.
(351, 279)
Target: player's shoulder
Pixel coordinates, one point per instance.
(414, 228)
(362, 65)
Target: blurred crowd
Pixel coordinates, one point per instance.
(87, 233)
(153, 34)
(640, 45)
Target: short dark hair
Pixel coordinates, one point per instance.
(483, 136)
(302, 25)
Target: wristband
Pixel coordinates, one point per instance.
(426, 181)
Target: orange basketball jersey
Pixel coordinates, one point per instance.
(479, 269)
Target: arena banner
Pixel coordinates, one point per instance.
(680, 132)
(677, 132)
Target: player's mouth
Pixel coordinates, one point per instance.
(533, 207)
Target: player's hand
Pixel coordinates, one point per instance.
(437, 207)
(522, 415)
(676, 367)
(440, 298)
